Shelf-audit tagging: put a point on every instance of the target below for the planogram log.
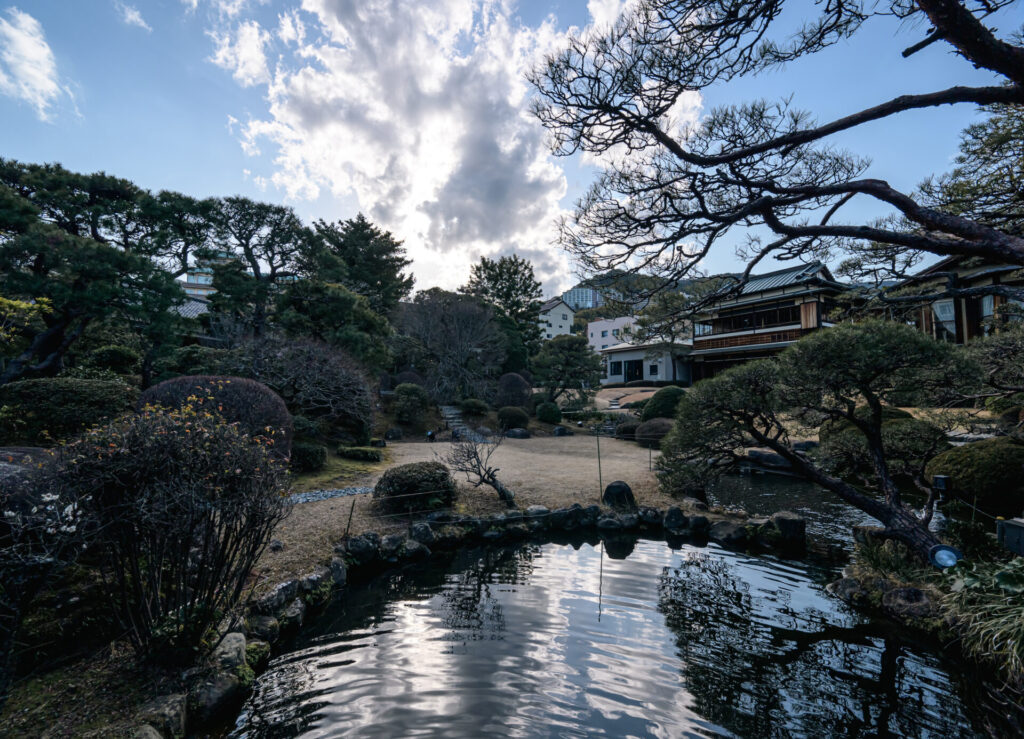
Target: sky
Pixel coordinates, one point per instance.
(414, 112)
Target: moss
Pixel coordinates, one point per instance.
(991, 469)
(256, 653)
(320, 594)
(246, 675)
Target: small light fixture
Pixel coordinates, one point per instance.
(943, 484)
(943, 556)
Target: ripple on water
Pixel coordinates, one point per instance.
(562, 642)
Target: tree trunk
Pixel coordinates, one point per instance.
(506, 495)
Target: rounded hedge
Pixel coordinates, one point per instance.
(663, 403)
(650, 433)
(415, 487)
(830, 428)
(120, 359)
(474, 407)
(308, 457)
(627, 430)
(512, 390)
(408, 377)
(411, 403)
(307, 428)
(991, 469)
(549, 413)
(257, 409)
(44, 411)
(512, 417)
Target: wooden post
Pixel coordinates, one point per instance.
(600, 482)
(350, 512)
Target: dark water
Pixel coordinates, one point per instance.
(552, 641)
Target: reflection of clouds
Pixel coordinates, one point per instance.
(694, 642)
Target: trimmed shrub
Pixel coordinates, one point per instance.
(361, 453)
(306, 428)
(415, 487)
(512, 390)
(991, 469)
(536, 399)
(889, 413)
(196, 360)
(1002, 405)
(120, 359)
(549, 413)
(257, 409)
(907, 442)
(627, 430)
(637, 405)
(650, 433)
(639, 383)
(179, 505)
(307, 456)
(408, 377)
(512, 417)
(662, 404)
(411, 403)
(474, 407)
(44, 411)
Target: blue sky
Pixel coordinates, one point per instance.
(410, 111)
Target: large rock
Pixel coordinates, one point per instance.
(699, 525)
(265, 628)
(415, 550)
(230, 653)
(785, 531)
(562, 431)
(293, 616)
(907, 603)
(849, 590)
(619, 495)
(339, 571)
(728, 534)
(166, 714)
(391, 547)
(146, 731)
(422, 533)
(675, 519)
(393, 434)
(768, 460)
(517, 434)
(214, 698)
(316, 586)
(362, 550)
(276, 599)
(650, 516)
(609, 523)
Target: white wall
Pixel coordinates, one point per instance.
(556, 322)
(606, 332)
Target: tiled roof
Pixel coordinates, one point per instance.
(552, 303)
(784, 278)
(193, 308)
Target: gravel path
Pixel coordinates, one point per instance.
(314, 495)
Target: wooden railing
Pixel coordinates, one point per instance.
(730, 342)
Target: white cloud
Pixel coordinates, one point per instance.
(243, 54)
(604, 13)
(131, 16)
(28, 70)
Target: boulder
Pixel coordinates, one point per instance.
(849, 590)
(276, 599)
(784, 530)
(629, 520)
(422, 533)
(414, 550)
(567, 519)
(214, 698)
(650, 516)
(562, 431)
(675, 519)
(537, 511)
(694, 504)
(363, 550)
(768, 460)
(591, 514)
(393, 434)
(275, 545)
(230, 653)
(314, 581)
(619, 495)
(293, 615)
(609, 523)
(728, 534)
(907, 603)
(257, 654)
(339, 571)
(146, 731)
(165, 715)
(699, 525)
(391, 547)
(265, 628)
(517, 434)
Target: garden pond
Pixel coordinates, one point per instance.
(618, 638)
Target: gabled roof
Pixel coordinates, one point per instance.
(550, 305)
(192, 307)
(815, 271)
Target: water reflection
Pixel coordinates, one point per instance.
(563, 642)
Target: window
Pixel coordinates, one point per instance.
(549, 336)
(591, 334)
(615, 368)
(604, 346)
(615, 332)
(565, 316)
(654, 370)
(604, 334)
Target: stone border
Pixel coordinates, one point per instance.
(219, 687)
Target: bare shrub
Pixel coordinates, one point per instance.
(473, 458)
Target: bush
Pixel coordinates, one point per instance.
(196, 360)
(307, 428)
(662, 404)
(637, 405)
(257, 409)
(512, 390)
(536, 399)
(1003, 404)
(361, 453)
(639, 383)
(627, 430)
(889, 413)
(650, 433)
(44, 411)
(120, 359)
(179, 505)
(549, 413)
(408, 377)
(411, 403)
(415, 487)
(307, 456)
(474, 407)
(511, 417)
(907, 442)
(991, 469)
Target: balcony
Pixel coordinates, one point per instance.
(748, 338)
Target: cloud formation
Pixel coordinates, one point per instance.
(131, 16)
(28, 70)
(241, 52)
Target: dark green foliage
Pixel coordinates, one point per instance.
(42, 412)
(307, 456)
(408, 377)
(307, 428)
(650, 433)
(508, 283)
(179, 505)
(474, 407)
(662, 404)
(991, 470)
(908, 444)
(536, 399)
(549, 413)
(257, 409)
(411, 404)
(627, 430)
(195, 359)
(361, 453)
(415, 487)
(566, 365)
(120, 359)
(637, 405)
(512, 390)
(830, 428)
(512, 417)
